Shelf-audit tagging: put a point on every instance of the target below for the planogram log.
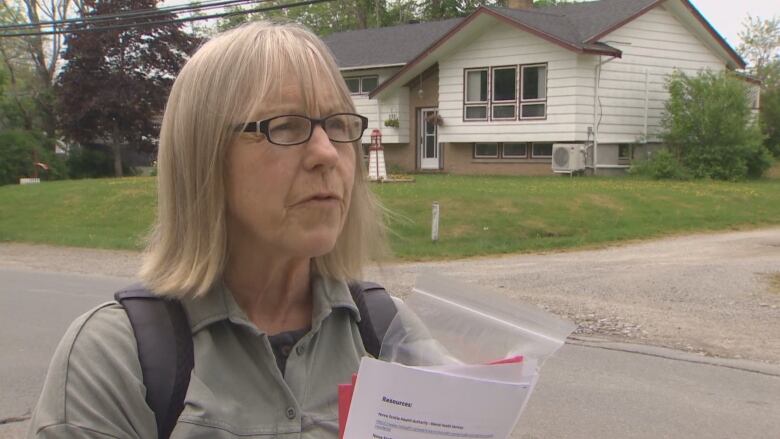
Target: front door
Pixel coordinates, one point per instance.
(428, 144)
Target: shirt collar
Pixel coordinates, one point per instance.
(218, 304)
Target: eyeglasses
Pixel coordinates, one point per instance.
(294, 129)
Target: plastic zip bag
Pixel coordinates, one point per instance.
(444, 322)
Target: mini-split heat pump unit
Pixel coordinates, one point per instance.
(568, 158)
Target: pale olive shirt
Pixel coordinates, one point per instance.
(94, 387)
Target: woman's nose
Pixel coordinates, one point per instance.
(320, 150)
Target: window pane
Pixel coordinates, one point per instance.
(476, 86)
(504, 84)
(369, 84)
(353, 84)
(503, 111)
(534, 82)
(476, 112)
(430, 128)
(430, 147)
(623, 151)
(486, 149)
(542, 150)
(532, 110)
(515, 150)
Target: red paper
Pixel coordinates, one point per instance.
(345, 399)
(515, 359)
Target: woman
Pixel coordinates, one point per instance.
(263, 215)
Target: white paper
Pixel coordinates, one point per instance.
(392, 401)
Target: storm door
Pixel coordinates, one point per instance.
(428, 144)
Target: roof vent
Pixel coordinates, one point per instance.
(520, 4)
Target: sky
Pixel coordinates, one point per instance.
(727, 16)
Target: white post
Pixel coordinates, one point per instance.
(435, 222)
(647, 92)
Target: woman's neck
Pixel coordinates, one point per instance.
(275, 293)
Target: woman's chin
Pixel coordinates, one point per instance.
(316, 246)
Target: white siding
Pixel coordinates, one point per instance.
(501, 45)
(656, 43)
(378, 110)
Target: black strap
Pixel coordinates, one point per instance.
(165, 349)
(377, 311)
(165, 352)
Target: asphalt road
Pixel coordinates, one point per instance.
(587, 390)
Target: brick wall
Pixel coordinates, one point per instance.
(458, 159)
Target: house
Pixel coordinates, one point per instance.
(492, 93)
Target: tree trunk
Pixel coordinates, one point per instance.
(361, 12)
(117, 148)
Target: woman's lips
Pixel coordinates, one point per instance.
(320, 199)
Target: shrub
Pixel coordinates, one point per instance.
(19, 150)
(770, 118)
(708, 124)
(92, 161)
(661, 165)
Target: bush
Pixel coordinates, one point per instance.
(708, 124)
(92, 161)
(19, 150)
(662, 165)
(770, 118)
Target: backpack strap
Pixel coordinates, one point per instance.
(165, 348)
(377, 311)
(165, 352)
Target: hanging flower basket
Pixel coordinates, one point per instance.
(435, 119)
(392, 123)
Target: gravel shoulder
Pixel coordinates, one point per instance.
(714, 294)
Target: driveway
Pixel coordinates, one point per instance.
(714, 294)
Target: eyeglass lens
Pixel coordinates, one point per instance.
(297, 129)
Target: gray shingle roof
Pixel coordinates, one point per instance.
(386, 45)
(572, 23)
(576, 23)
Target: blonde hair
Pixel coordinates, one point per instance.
(217, 90)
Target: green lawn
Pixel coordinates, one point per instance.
(479, 215)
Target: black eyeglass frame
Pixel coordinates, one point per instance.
(261, 127)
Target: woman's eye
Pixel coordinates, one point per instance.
(336, 124)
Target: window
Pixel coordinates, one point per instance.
(505, 93)
(476, 96)
(362, 84)
(515, 150)
(541, 150)
(512, 150)
(624, 152)
(486, 150)
(533, 99)
(368, 84)
(353, 84)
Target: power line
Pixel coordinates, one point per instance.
(153, 23)
(131, 13)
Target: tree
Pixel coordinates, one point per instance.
(43, 53)
(760, 47)
(116, 81)
(322, 18)
(709, 126)
(760, 44)
(770, 118)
